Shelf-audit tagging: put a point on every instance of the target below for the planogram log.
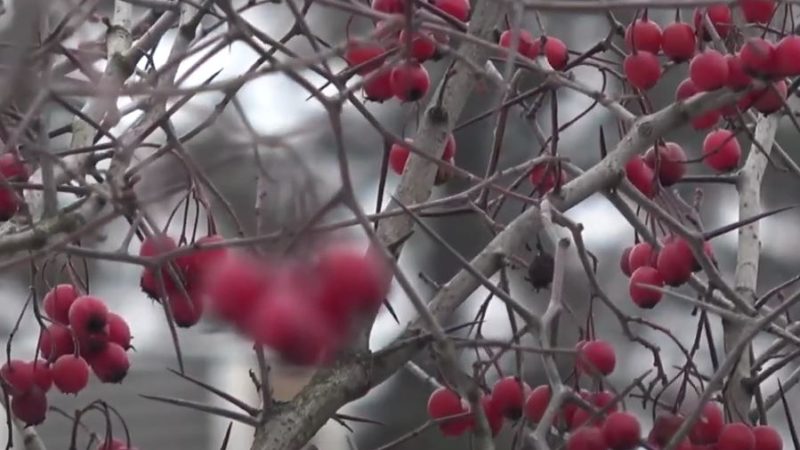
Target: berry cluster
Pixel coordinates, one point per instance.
(83, 334)
(408, 81)
(11, 169)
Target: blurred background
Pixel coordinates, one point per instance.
(278, 107)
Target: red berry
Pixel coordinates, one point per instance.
(111, 364)
(235, 285)
(70, 374)
(423, 46)
(398, 157)
(602, 399)
(508, 395)
(389, 6)
(589, 438)
(641, 295)
(410, 81)
(720, 16)
(675, 262)
(187, 309)
(721, 150)
(12, 168)
(30, 407)
(544, 176)
(686, 89)
(738, 79)
(9, 203)
(643, 35)
(153, 246)
(456, 8)
(443, 403)
(42, 375)
(708, 427)
(767, 438)
(378, 86)
(57, 301)
(664, 428)
(597, 355)
(770, 99)
(641, 176)
(555, 51)
(642, 254)
(671, 162)
(199, 262)
(757, 11)
(54, 341)
(758, 57)
(679, 41)
(787, 56)
(524, 41)
(622, 431)
(18, 376)
(88, 314)
(624, 262)
(118, 331)
(493, 414)
(709, 70)
(642, 69)
(537, 402)
(364, 55)
(736, 436)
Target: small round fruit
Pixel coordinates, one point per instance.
(444, 402)
(186, 308)
(721, 150)
(544, 176)
(686, 89)
(767, 438)
(378, 86)
(624, 261)
(17, 375)
(42, 375)
(12, 168)
(675, 262)
(70, 374)
(622, 431)
(423, 46)
(679, 42)
(758, 57)
(787, 56)
(30, 407)
(88, 314)
(643, 35)
(587, 438)
(9, 203)
(738, 79)
(709, 426)
(597, 355)
(555, 51)
(639, 290)
(493, 414)
(456, 8)
(234, 286)
(671, 162)
(410, 81)
(757, 11)
(770, 99)
(524, 40)
(641, 255)
(55, 340)
(641, 176)
(118, 331)
(508, 395)
(111, 364)
(642, 69)
(664, 428)
(709, 70)
(57, 301)
(363, 54)
(721, 18)
(736, 436)
(536, 403)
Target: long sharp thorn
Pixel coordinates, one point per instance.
(224, 395)
(738, 224)
(204, 408)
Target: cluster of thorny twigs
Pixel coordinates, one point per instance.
(100, 169)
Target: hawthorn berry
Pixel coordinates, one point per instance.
(378, 85)
(597, 355)
(686, 89)
(624, 261)
(508, 395)
(423, 45)
(398, 154)
(88, 315)
(111, 364)
(30, 406)
(602, 399)
(664, 428)
(524, 40)
(641, 255)
(118, 331)
(389, 6)
(757, 11)
(709, 426)
(200, 261)
(17, 375)
(234, 286)
(767, 438)
(622, 431)
(444, 402)
(770, 99)
(675, 262)
(643, 35)
(709, 70)
(70, 374)
(758, 57)
(721, 150)
(493, 415)
(671, 161)
(642, 69)
(364, 56)
(187, 308)
(736, 436)
(42, 375)
(536, 403)
(153, 246)
(544, 176)
(738, 79)
(55, 340)
(679, 41)
(12, 168)
(9, 203)
(641, 176)
(588, 438)
(641, 294)
(409, 81)
(787, 56)
(555, 51)
(57, 301)
(720, 16)
(456, 8)
(584, 417)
